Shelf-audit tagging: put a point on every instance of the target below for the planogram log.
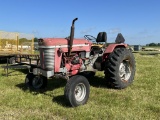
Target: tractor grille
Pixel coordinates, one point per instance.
(47, 58)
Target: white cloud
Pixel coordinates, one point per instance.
(114, 30)
(35, 32)
(88, 30)
(143, 32)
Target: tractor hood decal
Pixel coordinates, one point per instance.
(61, 42)
(64, 46)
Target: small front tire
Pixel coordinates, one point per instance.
(35, 82)
(77, 90)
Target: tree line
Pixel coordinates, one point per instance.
(153, 44)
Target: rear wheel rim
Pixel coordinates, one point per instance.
(125, 70)
(80, 92)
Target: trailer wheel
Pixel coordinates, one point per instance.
(77, 90)
(35, 82)
(120, 68)
(12, 60)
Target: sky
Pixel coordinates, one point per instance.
(137, 20)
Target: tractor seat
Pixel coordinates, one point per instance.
(101, 41)
(101, 37)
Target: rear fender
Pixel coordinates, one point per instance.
(111, 48)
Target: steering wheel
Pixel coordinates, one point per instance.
(90, 38)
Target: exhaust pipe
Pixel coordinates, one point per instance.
(71, 37)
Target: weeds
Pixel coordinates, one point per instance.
(140, 101)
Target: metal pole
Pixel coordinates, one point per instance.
(0, 42)
(32, 45)
(7, 67)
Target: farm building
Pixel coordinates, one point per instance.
(137, 47)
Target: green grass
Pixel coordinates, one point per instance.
(148, 52)
(140, 101)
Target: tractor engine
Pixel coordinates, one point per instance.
(73, 64)
(55, 58)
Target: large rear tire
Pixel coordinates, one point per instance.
(120, 68)
(34, 82)
(77, 90)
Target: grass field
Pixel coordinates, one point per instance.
(140, 101)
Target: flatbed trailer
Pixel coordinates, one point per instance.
(30, 59)
(13, 43)
(10, 57)
(22, 61)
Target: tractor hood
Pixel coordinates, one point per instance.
(62, 41)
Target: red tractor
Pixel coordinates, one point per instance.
(78, 59)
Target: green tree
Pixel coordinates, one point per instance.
(152, 44)
(22, 40)
(35, 39)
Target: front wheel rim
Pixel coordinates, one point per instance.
(80, 92)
